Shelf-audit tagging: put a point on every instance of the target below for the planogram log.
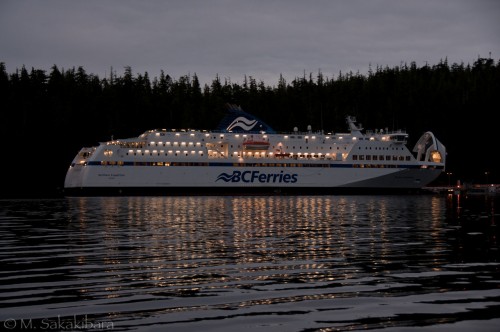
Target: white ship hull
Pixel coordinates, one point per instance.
(169, 162)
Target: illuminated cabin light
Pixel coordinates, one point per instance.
(192, 152)
(200, 152)
(314, 137)
(285, 137)
(170, 151)
(221, 135)
(340, 137)
(354, 138)
(177, 151)
(183, 143)
(265, 136)
(198, 143)
(271, 154)
(152, 142)
(155, 151)
(327, 137)
(306, 137)
(372, 138)
(191, 134)
(162, 151)
(185, 151)
(237, 135)
(130, 151)
(176, 143)
(190, 143)
(177, 134)
(139, 151)
(157, 134)
(436, 156)
(168, 143)
(244, 135)
(146, 151)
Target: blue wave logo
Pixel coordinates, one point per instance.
(225, 177)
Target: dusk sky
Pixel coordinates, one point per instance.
(257, 38)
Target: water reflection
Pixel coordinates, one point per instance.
(340, 262)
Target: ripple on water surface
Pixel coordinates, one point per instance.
(287, 263)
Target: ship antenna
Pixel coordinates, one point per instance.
(321, 116)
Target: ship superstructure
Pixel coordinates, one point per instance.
(246, 155)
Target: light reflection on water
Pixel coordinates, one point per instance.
(287, 263)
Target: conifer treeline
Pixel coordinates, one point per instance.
(55, 113)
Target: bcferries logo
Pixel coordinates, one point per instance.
(256, 176)
(243, 123)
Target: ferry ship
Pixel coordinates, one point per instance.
(245, 155)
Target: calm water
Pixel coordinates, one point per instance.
(273, 263)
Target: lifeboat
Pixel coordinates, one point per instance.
(253, 145)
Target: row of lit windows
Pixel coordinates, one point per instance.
(377, 157)
(159, 163)
(173, 144)
(162, 152)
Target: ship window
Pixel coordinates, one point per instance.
(375, 157)
(355, 157)
(361, 157)
(368, 157)
(408, 158)
(387, 157)
(394, 157)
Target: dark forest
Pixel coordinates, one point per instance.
(48, 116)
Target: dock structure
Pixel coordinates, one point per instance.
(467, 189)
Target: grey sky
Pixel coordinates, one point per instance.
(258, 38)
